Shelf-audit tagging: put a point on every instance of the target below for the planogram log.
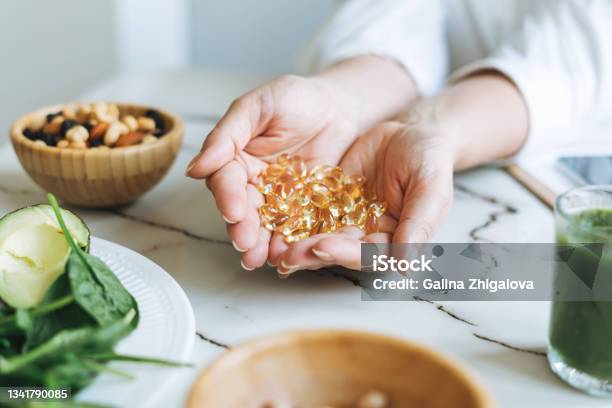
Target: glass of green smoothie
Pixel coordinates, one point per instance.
(580, 337)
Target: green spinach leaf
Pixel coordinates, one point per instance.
(24, 320)
(57, 312)
(80, 340)
(95, 287)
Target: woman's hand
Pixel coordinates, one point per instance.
(410, 167)
(288, 115)
(318, 118)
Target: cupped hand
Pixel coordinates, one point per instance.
(288, 115)
(410, 166)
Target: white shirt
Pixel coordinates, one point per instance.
(557, 52)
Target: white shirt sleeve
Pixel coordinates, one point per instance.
(410, 32)
(561, 61)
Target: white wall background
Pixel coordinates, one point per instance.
(51, 51)
(254, 35)
(152, 34)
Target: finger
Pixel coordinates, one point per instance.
(386, 224)
(277, 247)
(256, 256)
(378, 238)
(329, 249)
(348, 231)
(244, 233)
(339, 250)
(230, 135)
(345, 250)
(422, 212)
(228, 185)
(300, 255)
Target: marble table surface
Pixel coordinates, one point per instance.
(176, 225)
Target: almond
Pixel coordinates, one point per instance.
(54, 126)
(99, 130)
(128, 139)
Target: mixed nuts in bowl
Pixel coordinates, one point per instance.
(97, 154)
(94, 125)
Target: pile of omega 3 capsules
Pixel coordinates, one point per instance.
(300, 203)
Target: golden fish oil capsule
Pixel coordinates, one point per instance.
(371, 223)
(299, 185)
(354, 185)
(274, 170)
(297, 236)
(354, 191)
(377, 208)
(336, 173)
(348, 219)
(328, 222)
(283, 190)
(268, 212)
(300, 203)
(319, 172)
(288, 178)
(359, 214)
(333, 184)
(316, 226)
(335, 209)
(265, 187)
(276, 223)
(309, 217)
(277, 202)
(292, 224)
(361, 201)
(298, 167)
(298, 200)
(283, 159)
(320, 195)
(355, 180)
(271, 217)
(346, 202)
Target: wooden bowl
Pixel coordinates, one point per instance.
(332, 368)
(96, 177)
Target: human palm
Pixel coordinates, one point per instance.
(410, 167)
(299, 115)
(289, 115)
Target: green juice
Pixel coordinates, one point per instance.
(581, 331)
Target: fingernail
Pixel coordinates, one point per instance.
(237, 247)
(286, 266)
(271, 264)
(192, 163)
(323, 255)
(246, 268)
(284, 274)
(228, 221)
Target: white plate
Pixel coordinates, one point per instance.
(166, 330)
